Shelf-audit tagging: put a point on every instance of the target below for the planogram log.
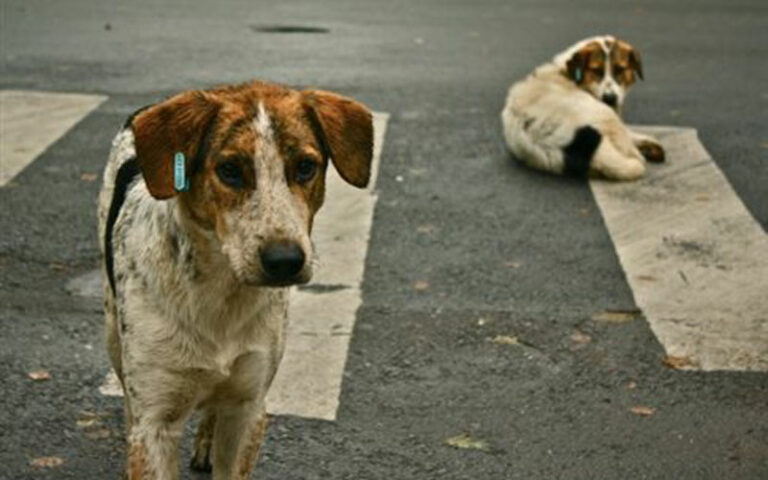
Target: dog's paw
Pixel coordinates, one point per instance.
(201, 463)
(652, 151)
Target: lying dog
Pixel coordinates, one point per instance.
(565, 116)
(205, 218)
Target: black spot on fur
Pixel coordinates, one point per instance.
(578, 154)
(174, 242)
(125, 175)
(527, 123)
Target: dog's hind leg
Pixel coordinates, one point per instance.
(608, 162)
(201, 458)
(648, 146)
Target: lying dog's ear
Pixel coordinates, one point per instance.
(577, 65)
(177, 125)
(344, 128)
(635, 63)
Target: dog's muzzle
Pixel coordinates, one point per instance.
(282, 262)
(611, 99)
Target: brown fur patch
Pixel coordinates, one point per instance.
(348, 132)
(590, 61)
(176, 125)
(136, 462)
(626, 63)
(250, 451)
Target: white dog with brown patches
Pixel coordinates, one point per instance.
(565, 116)
(204, 219)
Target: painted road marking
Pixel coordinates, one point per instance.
(308, 382)
(322, 314)
(696, 260)
(31, 121)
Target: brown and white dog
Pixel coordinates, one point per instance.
(565, 117)
(196, 280)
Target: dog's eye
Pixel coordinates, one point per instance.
(305, 170)
(230, 173)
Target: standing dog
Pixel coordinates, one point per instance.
(565, 116)
(204, 219)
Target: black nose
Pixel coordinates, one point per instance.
(281, 261)
(610, 99)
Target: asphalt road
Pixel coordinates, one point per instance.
(505, 251)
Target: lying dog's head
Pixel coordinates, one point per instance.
(256, 156)
(603, 66)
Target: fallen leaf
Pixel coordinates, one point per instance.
(99, 434)
(631, 385)
(426, 229)
(87, 419)
(580, 338)
(89, 177)
(39, 375)
(420, 285)
(679, 362)
(646, 278)
(512, 264)
(46, 462)
(643, 411)
(615, 316)
(466, 442)
(504, 340)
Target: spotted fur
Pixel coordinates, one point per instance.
(193, 321)
(582, 89)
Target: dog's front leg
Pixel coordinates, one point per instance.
(238, 436)
(153, 451)
(159, 403)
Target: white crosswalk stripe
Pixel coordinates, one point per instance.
(31, 121)
(696, 260)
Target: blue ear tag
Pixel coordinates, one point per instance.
(577, 75)
(180, 180)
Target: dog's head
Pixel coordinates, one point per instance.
(604, 66)
(256, 157)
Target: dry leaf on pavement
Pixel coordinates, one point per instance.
(466, 442)
(420, 285)
(89, 177)
(679, 363)
(505, 340)
(643, 411)
(580, 338)
(39, 375)
(615, 316)
(46, 462)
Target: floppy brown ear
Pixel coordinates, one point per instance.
(345, 130)
(577, 66)
(178, 124)
(636, 63)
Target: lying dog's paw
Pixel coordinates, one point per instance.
(652, 151)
